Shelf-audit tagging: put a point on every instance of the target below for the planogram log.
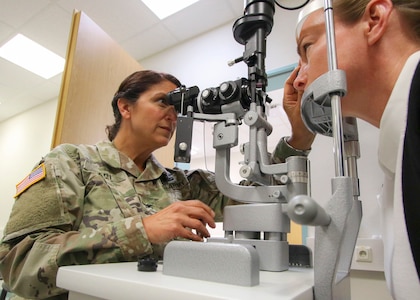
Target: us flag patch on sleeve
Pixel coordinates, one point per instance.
(36, 175)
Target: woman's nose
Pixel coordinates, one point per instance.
(301, 79)
(171, 113)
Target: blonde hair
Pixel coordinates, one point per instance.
(351, 11)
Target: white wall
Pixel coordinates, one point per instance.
(24, 139)
(202, 61)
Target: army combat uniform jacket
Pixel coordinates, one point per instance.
(84, 204)
(88, 208)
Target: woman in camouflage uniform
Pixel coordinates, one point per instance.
(109, 202)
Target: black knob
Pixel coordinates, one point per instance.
(147, 264)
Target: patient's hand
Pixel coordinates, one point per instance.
(301, 137)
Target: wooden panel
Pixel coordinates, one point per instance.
(95, 66)
(295, 236)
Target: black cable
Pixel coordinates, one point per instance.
(291, 8)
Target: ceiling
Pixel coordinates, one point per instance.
(128, 22)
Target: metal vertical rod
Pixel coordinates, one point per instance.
(337, 120)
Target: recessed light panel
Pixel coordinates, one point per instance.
(165, 8)
(30, 55)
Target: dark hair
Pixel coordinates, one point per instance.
(131, 88)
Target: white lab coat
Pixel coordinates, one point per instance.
(400, 271)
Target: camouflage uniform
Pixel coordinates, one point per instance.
(89, 209)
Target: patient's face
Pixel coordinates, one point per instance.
(312, 49)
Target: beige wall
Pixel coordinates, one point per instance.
(368, 285)
(95, 67)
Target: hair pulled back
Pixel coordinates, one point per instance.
(131, 89)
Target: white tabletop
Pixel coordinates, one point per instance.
(123, 281)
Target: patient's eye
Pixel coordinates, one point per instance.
(304, 51)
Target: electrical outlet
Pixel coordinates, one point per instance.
(363, 254)
(371, 260)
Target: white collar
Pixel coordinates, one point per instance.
(393, 121)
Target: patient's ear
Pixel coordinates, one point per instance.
(377, 16)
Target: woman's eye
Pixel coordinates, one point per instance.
(306, 47)
(163, 101)
(304, 51)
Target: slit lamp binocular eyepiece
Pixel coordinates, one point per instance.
(215, 100)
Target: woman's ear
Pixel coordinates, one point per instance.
(377, 16)
(124, 107)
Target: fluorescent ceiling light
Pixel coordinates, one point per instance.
(33, 57)
(164, 8)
